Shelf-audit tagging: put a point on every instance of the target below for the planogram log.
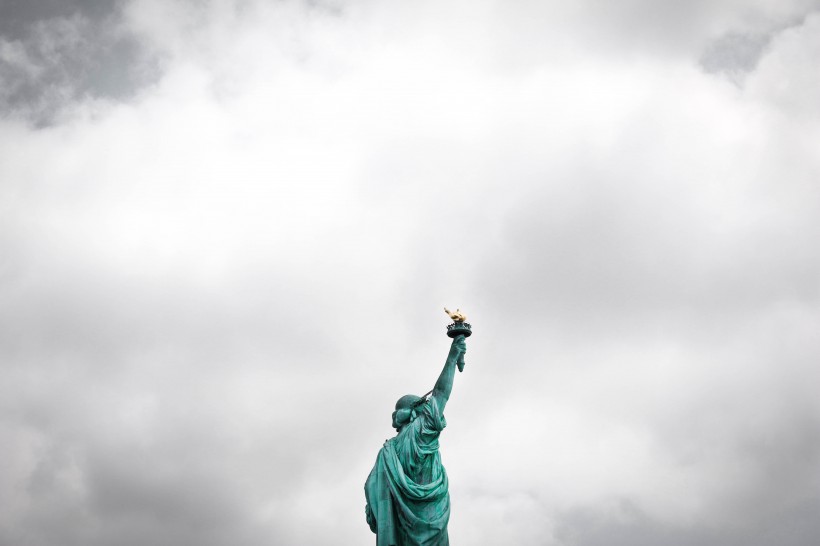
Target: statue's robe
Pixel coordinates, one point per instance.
(407, 499)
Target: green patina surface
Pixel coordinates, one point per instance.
(408, 503)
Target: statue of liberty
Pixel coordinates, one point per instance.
(408, 503)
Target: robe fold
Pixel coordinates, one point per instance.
(408, 503)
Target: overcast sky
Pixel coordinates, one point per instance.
(228, 229)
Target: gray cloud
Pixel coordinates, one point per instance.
(53, 54)
(734, 54)
(623, 523)
(737, 53)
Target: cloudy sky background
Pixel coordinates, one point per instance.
(227, 230)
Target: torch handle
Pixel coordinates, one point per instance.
(461, 331)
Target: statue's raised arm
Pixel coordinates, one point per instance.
(444, 385)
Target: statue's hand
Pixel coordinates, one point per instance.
(459, 346)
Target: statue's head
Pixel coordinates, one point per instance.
(405, 410)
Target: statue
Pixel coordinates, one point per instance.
(408, 502)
